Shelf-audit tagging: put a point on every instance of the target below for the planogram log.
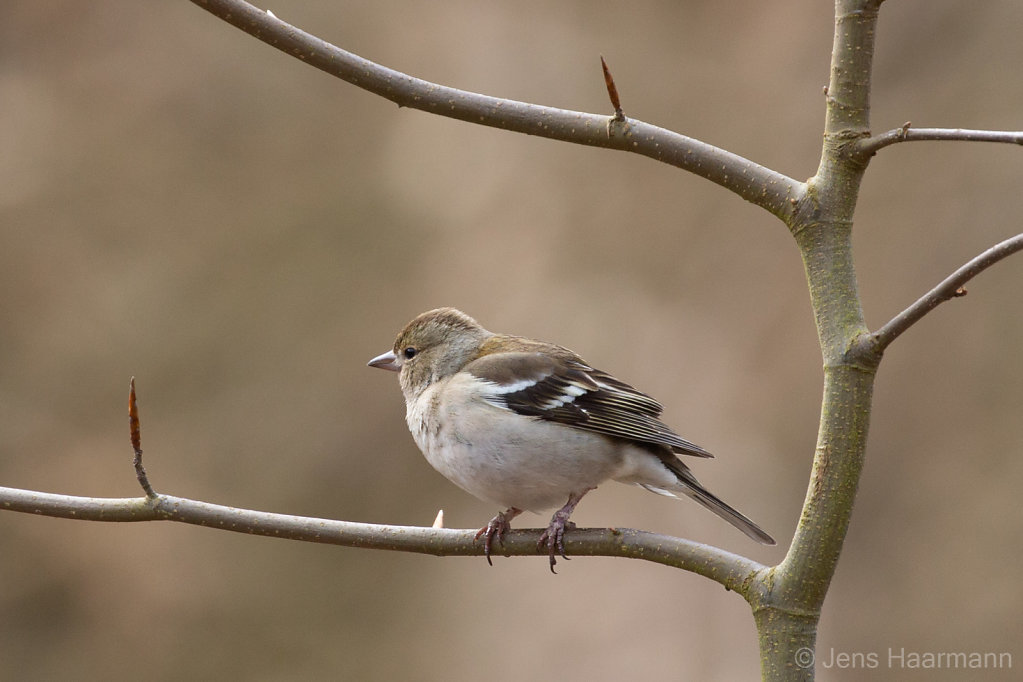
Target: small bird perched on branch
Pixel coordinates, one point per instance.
(528, 425)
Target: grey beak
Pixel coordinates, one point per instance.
(386, 361)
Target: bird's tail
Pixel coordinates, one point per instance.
(690, 487)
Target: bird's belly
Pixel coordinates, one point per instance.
(515, 461)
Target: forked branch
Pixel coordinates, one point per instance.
(755, 183)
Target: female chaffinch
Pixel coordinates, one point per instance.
(527, 424)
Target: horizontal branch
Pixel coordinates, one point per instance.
(755, 183)
(907, 133)
(950, 287)
(731, 570)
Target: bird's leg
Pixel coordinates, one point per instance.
(497, 527)
(554, 536)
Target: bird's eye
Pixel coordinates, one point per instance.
(410, 353)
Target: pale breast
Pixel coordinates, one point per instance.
(506, 458)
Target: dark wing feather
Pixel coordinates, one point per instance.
(562, 388)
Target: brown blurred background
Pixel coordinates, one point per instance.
(241, 232)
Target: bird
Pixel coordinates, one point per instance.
(528, 425)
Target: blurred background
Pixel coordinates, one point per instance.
(241, 232)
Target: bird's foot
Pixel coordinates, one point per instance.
(498, 526)
(554, 536)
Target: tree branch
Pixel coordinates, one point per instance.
(871, 145)
(757, 184)
(788, 610)
(732, 571)
(950, 287)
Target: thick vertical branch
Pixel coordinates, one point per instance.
(788, 609)
(852, 58)
(847, 114)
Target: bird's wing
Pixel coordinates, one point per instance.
(562, 388)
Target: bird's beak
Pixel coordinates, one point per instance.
(386, 361)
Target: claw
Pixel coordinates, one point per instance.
(497, 527)
(554, 536)
(554, 539)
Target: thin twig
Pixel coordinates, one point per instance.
(612, 91)
(950, 287)
(730, 570)
(136, 441)
(757, 184)
(907, 133)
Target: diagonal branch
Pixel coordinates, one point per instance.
(871, 145)
(951, 287)
(732, 571)
(755, 183)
